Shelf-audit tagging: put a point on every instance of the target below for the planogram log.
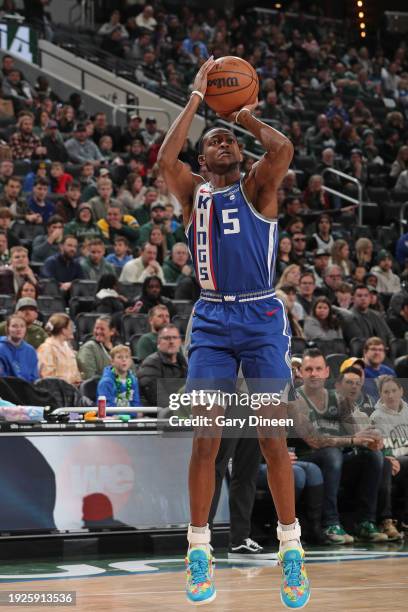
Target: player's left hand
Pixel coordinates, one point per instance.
(232, 116)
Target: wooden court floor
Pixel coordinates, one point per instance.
(375, 585)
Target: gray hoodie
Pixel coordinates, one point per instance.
(394, 427)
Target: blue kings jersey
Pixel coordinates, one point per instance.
(232, 245)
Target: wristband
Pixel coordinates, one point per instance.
(201, 95)
(239, 112)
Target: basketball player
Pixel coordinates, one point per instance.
(231, 225)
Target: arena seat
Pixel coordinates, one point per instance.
(401, 366)
(134, 324)
(88, 387)
(84, 323)
(331, 346)
(50, 303)
(334, 362)
(83, 288)
(181, 322)
(80, 304)
(130, 290)
(50, 286)
(7, 303)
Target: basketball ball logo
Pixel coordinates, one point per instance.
(232, 83)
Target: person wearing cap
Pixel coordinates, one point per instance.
(320, 263)
(157, 219)
(325, 439)
(151, 134)
(117, 224)
(54, 144)
(363, 402)
(28, 309)
(83, 225)
(82, 149)
(398, 323)
(132, 132)
(101, 202)
(387, 281)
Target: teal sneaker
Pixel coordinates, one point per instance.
(368, 532)
(200, 587)
(337, 535)
(295, 587)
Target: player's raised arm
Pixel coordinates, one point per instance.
(180, 180)
(266, 175)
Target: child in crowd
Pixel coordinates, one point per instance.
(118, 383)
(121, 254)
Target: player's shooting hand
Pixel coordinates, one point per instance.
(200, 81)
(232, 116)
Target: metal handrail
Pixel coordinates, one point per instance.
(137, 107)
(351, 179)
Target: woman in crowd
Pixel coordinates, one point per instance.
(284, 251)
(340, 253)
(66, 119)
(93, 356)
(401, 162)
(323, 323)
(151, 296)
(290, 276)
(158, 238)
(364, 253)
(294, 226)
(132, 192)
(322, 239)
(294, 310)
(391, 417)
(56, 357)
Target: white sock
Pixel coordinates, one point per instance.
(199, 536)
(289, 543)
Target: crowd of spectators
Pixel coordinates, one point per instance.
(96, 281)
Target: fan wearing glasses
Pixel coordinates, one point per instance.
(299, 248)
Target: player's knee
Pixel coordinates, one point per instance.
(273, 449)
(205, 449)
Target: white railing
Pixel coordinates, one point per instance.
(344, 196)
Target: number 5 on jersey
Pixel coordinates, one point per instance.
(228, 219)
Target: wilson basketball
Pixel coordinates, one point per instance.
(232, 84)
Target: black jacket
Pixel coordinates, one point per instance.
(154, 378)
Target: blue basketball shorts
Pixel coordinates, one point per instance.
(254, 334)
